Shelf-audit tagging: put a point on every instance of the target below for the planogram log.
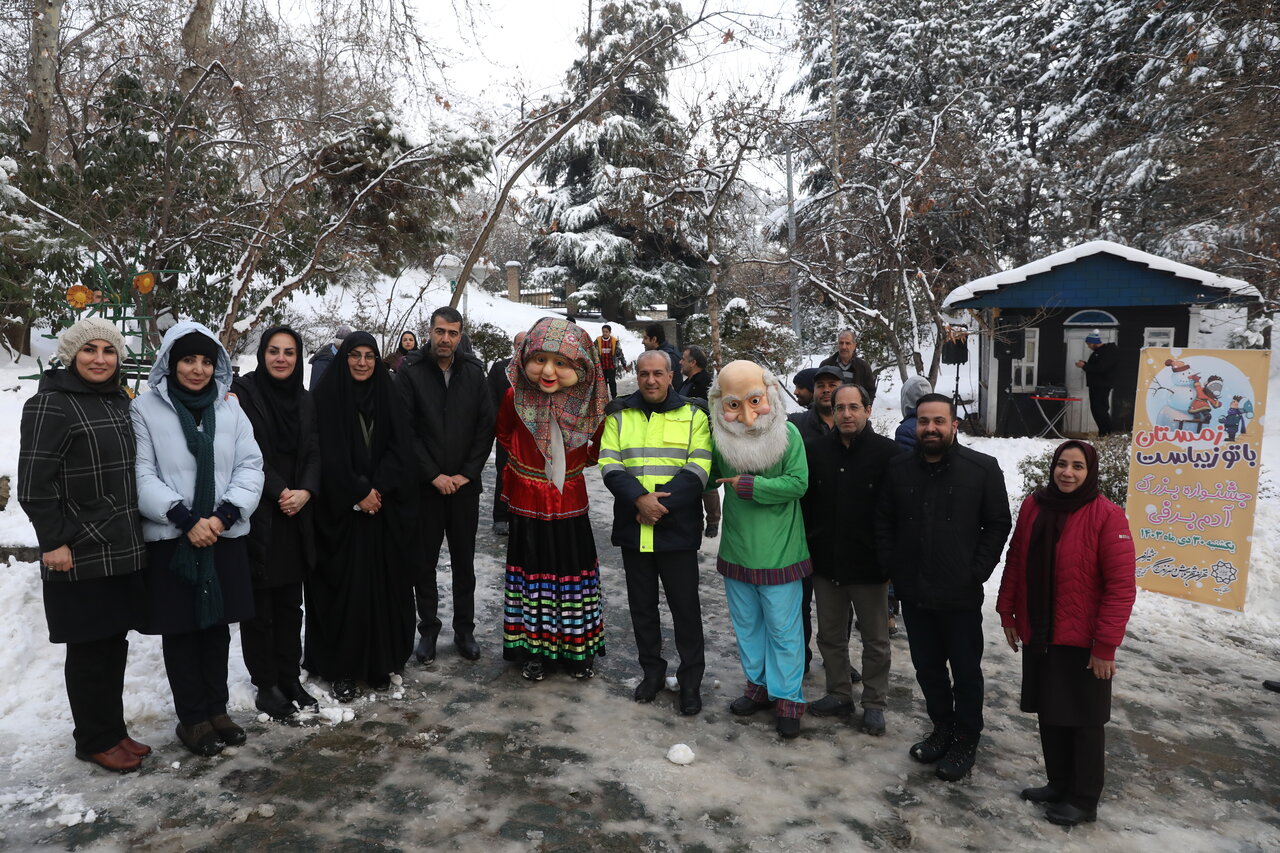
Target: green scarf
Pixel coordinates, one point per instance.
(194, 565)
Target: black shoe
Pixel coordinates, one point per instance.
(296, 693)
(648, 688)
(788, 727)
(958, 761)
(275, 704)
(690, 701)
(425, 651)
(501, 528)
(831, 706)
(532, 670)
(467, 646)
(1065, 814)
(200, 738)
(1044, 794)
(1272, 685)
(344, 690)
(854, 675)
(712, 531)
(228, 732)
(934, 746)
(745, 706)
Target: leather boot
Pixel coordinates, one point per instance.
(117, 759)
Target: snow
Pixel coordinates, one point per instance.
(1185, 673)
(1234, 286)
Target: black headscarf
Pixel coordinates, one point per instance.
(400, 350)
(340, 397)
(281, 399)
(1056, 507)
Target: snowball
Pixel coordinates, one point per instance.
(267, 810)
(176, 765)
(262, 718)
(680, 754)
(672, 684)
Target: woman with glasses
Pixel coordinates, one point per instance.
(360, 618)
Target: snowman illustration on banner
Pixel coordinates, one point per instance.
(1199, 393)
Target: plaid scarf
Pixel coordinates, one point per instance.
(578, 410)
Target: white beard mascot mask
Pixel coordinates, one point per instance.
(748, 419)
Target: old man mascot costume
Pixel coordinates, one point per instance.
(760, 458)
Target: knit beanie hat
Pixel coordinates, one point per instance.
(1094, 337)
(192, 343)
(804, 379)
(85, 330)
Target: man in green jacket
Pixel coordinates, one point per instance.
(655, 456)
(764, 556)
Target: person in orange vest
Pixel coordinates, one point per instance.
(611, 358)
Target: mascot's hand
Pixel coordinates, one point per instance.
(731, 481)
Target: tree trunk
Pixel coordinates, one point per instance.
(43, 72)
(195, 43)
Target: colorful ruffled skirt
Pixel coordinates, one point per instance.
(552, 609)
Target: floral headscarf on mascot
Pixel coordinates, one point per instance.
(559, 414)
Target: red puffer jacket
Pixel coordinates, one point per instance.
(1094, 584)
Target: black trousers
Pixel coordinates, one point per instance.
(1074, 761)
(678, 572)
(272, 639)
(500, 512)
(1100, 408)
(611, 379)
(942, 638)
(454, 517)
(196, 663)
(94, 672)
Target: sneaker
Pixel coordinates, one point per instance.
(830, 706)
(934, 746)
(959, 758)
(872, 721)
(532, 670)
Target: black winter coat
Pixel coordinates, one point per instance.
(498, 381)
(77, 478)
(304, 473)
(859, 371)
(1100, 367)
(810, 423)
(698, 385)
(940, 528)
(453, 426)
(839, 508)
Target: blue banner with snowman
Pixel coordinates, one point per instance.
(1193, 471)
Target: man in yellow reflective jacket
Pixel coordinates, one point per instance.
(655, 456)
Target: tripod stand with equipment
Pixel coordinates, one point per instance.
(955, 350)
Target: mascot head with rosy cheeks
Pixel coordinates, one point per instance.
(748, 419)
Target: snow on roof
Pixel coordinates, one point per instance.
(994, 282)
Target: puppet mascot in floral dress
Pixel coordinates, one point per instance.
(764, 555)
(550, 423)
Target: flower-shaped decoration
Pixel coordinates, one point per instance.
(1223, 572)
(144, 282)
(78, 296)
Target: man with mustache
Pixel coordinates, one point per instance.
(941, 522)
(763, 552)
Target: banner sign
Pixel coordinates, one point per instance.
(1193, 470)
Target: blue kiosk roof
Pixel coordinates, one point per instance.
(1100, 273)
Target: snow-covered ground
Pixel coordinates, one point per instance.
(1193, 761)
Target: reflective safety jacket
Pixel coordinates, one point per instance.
(664, 448)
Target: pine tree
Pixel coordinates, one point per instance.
(606, 231)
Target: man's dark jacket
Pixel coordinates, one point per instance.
(810, 423)
(858, 369)
(681, 528)
(839, 508)
(1100, 368)
(452, 427)
(677, 375)
(698, 385)
(498, 382)
(940, 528)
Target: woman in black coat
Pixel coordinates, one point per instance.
(360, 613)
(281, 531)
(76, 483)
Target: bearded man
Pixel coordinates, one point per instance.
(763, 552)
